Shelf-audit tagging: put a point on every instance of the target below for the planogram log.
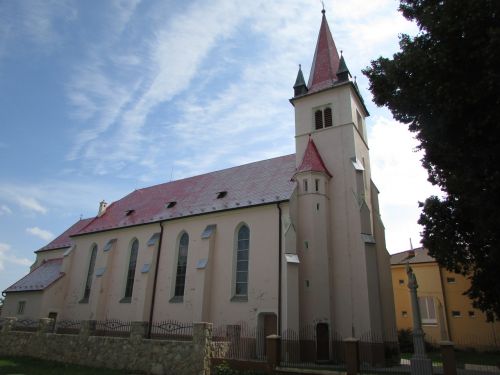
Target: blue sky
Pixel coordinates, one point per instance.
(99, 98)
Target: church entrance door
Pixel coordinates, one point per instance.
(322, 342)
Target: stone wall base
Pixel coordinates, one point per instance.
(150, 356)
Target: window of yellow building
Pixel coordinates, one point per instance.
(427, 310)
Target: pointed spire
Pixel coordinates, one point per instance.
(312, 161)
(326, 59)
(343, 73)
(300, 87)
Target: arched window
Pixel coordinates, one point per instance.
(242, 250)
(328, 117)
(90, 273)
(318, 119)
(129, 287)
(180, 278)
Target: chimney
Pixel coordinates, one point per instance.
(102, 208)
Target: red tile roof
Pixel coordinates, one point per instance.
(64, 239)
(312, 162)
(326, 60)
(40, 278)
(262, 182)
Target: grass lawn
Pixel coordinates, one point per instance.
(31, 366)
(465, 356)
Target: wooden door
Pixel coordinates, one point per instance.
(322, 342)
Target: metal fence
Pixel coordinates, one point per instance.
(239, 342)
(112, 328)
(69, 327)
(172, 330)
(26, 325)
(312, 347)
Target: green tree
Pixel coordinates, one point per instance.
(444, 83)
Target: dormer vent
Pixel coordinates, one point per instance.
(129, 212)
(221, 194)
(171, 204)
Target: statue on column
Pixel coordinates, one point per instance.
(420, 364)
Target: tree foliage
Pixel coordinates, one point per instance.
(445, 85)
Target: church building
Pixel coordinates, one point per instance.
(275, 244)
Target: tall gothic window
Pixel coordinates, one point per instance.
(90, 273)
(180, 278)
(129, 287)
(242, 250)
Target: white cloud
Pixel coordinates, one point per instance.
(34, 21)
(40, 233)
(402, 181)
(6, 257)
(119, 107)
(24, 197)
(115, 93)
(70, 198)
(5, 210)
(30, 203)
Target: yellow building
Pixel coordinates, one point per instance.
(447, 314)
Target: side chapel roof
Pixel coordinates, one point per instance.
(40, 278)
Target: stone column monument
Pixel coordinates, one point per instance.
(419, 363)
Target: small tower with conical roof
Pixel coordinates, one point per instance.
(340, 238)
(343, 73)
(300, 87)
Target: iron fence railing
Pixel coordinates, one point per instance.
(112, 328)
(26, 325)
(239, 342)
(68, 327)
(312, 347)
(172, 330)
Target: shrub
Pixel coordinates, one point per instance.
(224, 369)
(405, 339)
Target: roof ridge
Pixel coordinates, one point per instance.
(405, 251)
(207, 173)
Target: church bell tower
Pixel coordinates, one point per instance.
(344, 271)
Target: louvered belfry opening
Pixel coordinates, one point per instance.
(328, 117)
(318, 119)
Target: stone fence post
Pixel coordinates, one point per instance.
(448, 354)
(45, 325)
(87, 327)
(9, 324)
(138, 330)
(273, 351)
(202, 340)
(351, 346)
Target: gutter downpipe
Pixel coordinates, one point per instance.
(150, 322)
(279, 269)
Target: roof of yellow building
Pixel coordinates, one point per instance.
(419, 255)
